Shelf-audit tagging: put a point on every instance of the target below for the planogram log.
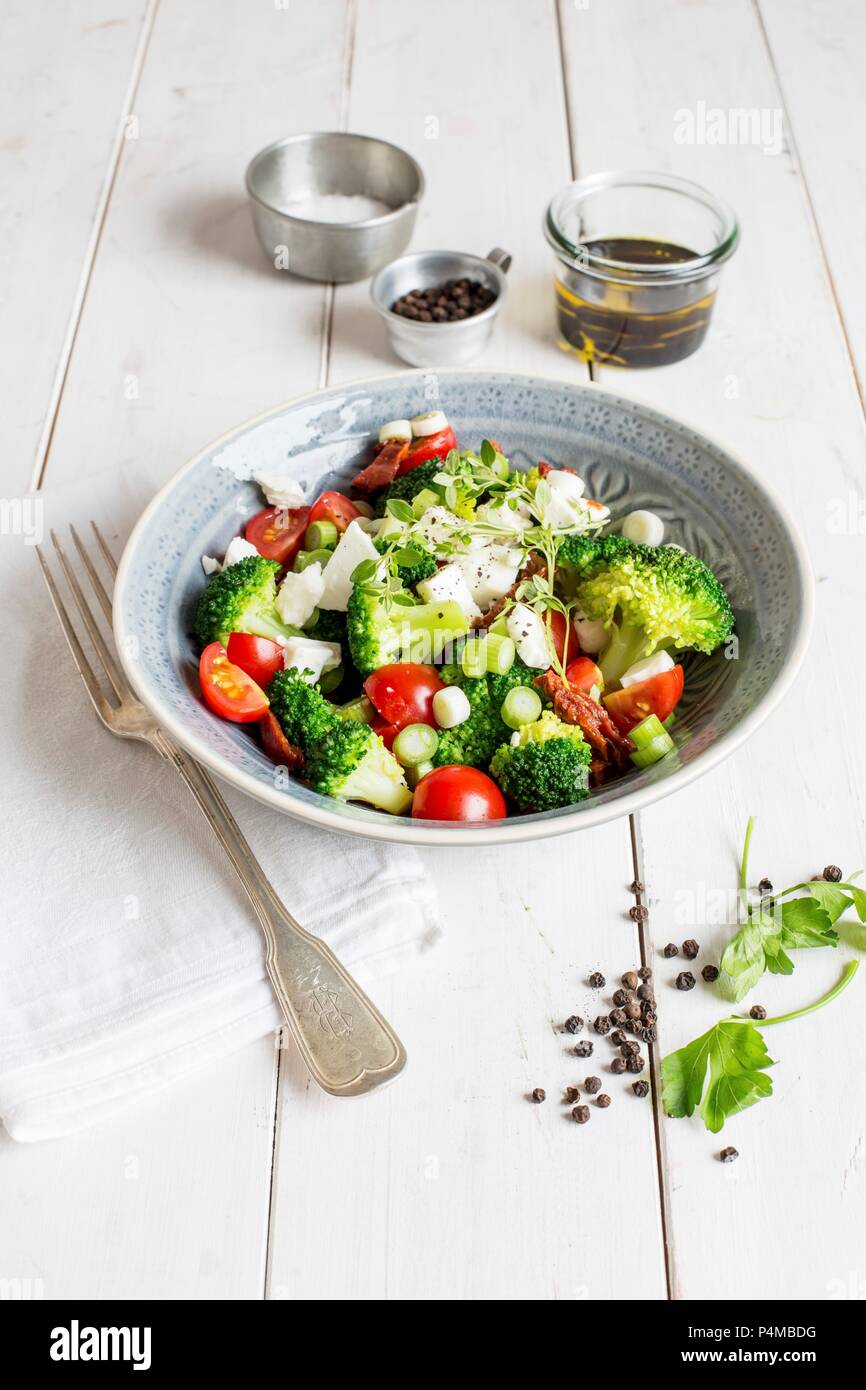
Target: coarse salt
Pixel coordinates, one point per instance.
(337, 207)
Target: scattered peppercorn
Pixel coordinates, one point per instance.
(757, 1011)
(617, 1066)
(580, 1113)
(621, 997)
(591, 1084)
(454, 299)
(602, 1024)
(647, 1032)
(640, 1088)
(583, 1049)
(638, 913)
(670, 951)
(597, 980)
(685, 980)
(832, 873)
(629, 1049)
(765, 887)
(603, 1101)
(629, 979)
(632, 1010)
(645, 992)
(645, 973)
(690, 948)
(634, 1063)
(617, 1037)
(617, 1015)
(636, 886)
(572, 1094)
(539, 1094)
(573, 1024)
(710, 973)
(728, 1155)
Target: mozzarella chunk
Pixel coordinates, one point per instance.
(437, 524)
(395, 429)
(238, 549)
(280, 491)
(591, 634)
(299, 594)
(353, 546)
(311, 657)
(648, 666)
(529, 635)
(489, 571)
(451, 707)
(430, 423)
(645, 527)
(448, 583)
(513, 519)
(210, 565)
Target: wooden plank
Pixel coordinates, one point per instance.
(185, 331)
(451, 1185)
(819, 52)
(65, 79)
(773, 381)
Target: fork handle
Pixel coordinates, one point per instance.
(346, 1043)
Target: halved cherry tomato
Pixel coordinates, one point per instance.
(278, 532)
(455, 792)
(227, 689)
(403, 692)
(258, 656)
(564, 641)
(432, 446)
(277, 746)
(333, 506)
(387, 732)
(659, 696)
(583, 674)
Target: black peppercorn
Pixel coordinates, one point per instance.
(617, 1066)
(757, 1011)
(645, 992)
(630, 1049)
(591, 1084)
(670, 951)
(580, 1113)
(573, 1024)
(597, 980)
(728, 1155)
(629, 979)
(617, 1015)
(710, 974)
(572, 1094)
(539, 1094)
(602, 1024)
(583, 1049)
(832, 873)
(685, 980)
(645, 973)
(640, 1088)
(765, 887)
(634, 1063)
(690, 948)
(638, 913)
(636, 886)
(632, 1010)
(621, 997)
(617, 1037)
(603, 1101)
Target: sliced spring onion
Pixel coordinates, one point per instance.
(362, 710)
(643, 733)
(424, 500)
(521, 706)
(309, 557)
(501, 652)
(473, 658)
(669, 722)
(320, 535)
(414, 774)
(415, 744)
(451, 707)
(653, 751)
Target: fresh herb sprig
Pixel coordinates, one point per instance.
(782, 923)
(724, 1071)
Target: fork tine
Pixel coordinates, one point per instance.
(96, 582)
(109, 664)
(103, 546)
(85, 671)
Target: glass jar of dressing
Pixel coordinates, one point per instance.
(638, 261)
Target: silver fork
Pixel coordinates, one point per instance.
(346, 1043)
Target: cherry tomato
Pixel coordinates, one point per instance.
(387, 732)
(432, 446)
(583, 674)
(278, 533)
(659, 696)
(403, 692)
(227, 689)
(258, 656)
(455, 792)
(563, 638)
(333, 506)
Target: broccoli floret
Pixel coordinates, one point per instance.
(304, 714)
(546, 766)
(475, 740)
(328, 625)
(382, 629)
(421, 479)
(650, 597)
(241, 599)
(410, 575)
(410, 484)
(352, 764)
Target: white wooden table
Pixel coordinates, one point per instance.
(139, 321)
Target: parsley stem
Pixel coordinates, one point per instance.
(805, 887)
(744, 862)
(842, 983)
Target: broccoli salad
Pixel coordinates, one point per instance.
(457, 639)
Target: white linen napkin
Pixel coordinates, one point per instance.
(129, 954)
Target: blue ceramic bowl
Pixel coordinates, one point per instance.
(631, 456)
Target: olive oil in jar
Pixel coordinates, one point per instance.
(632, 324)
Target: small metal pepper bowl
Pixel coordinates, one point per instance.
(439, 344)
